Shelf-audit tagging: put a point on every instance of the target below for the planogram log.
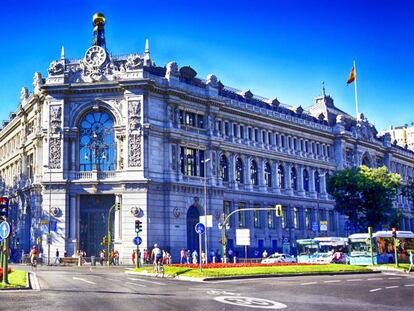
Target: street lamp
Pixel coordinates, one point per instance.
(205, 208)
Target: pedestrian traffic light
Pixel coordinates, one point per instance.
(117, 206)
(138, 226)
(104, 241)
(4, 207)
(394, 232)
(279, 210)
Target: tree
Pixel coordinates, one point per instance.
(365, 195)
(407, 190)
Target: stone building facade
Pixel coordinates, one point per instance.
(169, 146)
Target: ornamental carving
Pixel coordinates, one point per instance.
(134, 151)
(133, 62)
(134, 112)
(172, 70)
(37, 82)
(55, 151)
(55, 119)
(56, 68)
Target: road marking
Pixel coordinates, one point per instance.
(389, 287)
(409, 285)
(250, 302)
(332, 281)
(83, 280)
(375, 290)
(396, 278)
(135, 284)
(221, 292)
(354, 280)
(374, 279)
(146, 281)
(309, 283)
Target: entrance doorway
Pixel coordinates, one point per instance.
(193, 217)
(94, 211)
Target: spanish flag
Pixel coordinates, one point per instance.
(352, 76)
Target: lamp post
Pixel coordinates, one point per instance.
(205, 208)
(50, 203)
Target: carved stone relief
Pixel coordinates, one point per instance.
(55, 151)
(135, 132)
(55, 119)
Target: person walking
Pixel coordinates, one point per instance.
(57, 259)
(195, 257)
(411, 261)
(182, 256)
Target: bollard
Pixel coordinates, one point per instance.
(79, 261)
(235, 259)
(214, 259)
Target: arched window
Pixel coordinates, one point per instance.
(305, 180)
(97, 147)
(281, 176)
(253, 173)
(317, 182)
(268, 175)
(239, 171)
(293, 179)
(224, 171)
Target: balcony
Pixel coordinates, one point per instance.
(90, 175)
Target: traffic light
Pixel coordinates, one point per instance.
(104, 241)
(394, 232)
(279, 210)
(4, 207)
(138, 226)
(117, 206)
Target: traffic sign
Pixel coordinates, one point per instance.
(137, 240)
(4, 230)
(200, 228)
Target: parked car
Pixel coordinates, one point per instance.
(279, 257)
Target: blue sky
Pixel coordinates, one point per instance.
(280, 49)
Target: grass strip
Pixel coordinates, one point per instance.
(260, 270)
(17, 279)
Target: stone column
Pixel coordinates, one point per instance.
(73, 153)
(288, 185)
(322, 178)
(275, 177)
(299, 171)
(260, 175)
(247, 175)
(312, 192)
(232, 171)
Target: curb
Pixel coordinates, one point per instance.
(241, 277)
(28, 285)
(34, 282)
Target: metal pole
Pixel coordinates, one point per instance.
(199, 242)
(396, 252)
(5, 261)
(371, 251)
(50, 202)
(205, 207)
(109, 233)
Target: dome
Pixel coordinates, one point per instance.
(98, 18)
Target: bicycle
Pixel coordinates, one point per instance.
(34, 263)
(158, 268)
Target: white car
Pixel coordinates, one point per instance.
(277, 257)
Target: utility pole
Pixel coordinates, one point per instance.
(205, 208)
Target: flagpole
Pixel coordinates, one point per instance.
(356, 92)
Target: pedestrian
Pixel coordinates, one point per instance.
(194, 255)
(188, 255)
(411, 252)
(264, 254)
(182, 256)
(65, 253)
(230, 254)
(133, 256)
(102, 257)
(116, 258)
(57, 259)
(203, 257)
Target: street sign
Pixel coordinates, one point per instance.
(209, 222)
(243, 237)
(200, 228)
(323, 224)
(137, 240)
(4, 230)
(44, 222)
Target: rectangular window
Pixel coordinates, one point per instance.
(235, 130)
(276, 139)
(200, 121)
(296, 218)
(256, 217)
(284, 217)
(241, 131)
(282, 140)
(328, 151)
(295, 146)
(219, 126)
(318, 149)
(289, 142)
(269, 138)
(306, 146)
(226, 128)
(308, 218)
(250, 133)
(264, 137)
(270, 219)
(242, 215)
(256, 135)
(181, 116)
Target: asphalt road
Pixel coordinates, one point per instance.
(100, 288)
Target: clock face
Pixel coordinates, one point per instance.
(95, 56)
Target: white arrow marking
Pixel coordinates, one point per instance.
(83, 280)
(141, 280)
(391, 287)
(375, 290)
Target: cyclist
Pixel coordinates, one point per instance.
(33, 256)
(156, 255)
